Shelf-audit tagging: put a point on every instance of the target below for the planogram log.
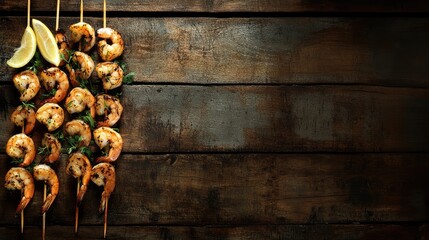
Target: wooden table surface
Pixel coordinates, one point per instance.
(250, 119)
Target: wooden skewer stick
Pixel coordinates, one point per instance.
(22, 221)
(81, 10)
(105, 217)
(22, 215)
(76, 222)
(44, 214)
(28, 13)
(57, 21)
(104, 14)
(81, 20)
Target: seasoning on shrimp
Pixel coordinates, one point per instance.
(56, 81)
(52, 146)
(111, 74)
(103, 174)
(63, 45)
(21, 146)
(83, 34)
(80, 68)
(108, 52)
(110, 141)
(43, 172)
(24, 116)
(78, 100)
(27, 84)
(110, 107)
(79, 166)
(18, 178)
(51, 115)
(79, 128)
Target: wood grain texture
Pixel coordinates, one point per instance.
(243, 189)
(166, 118)
(275, 119)
(228, 6)
(370, 51)
(296, 232)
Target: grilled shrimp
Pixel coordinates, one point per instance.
(79, 127)
(18, 178)
(107, 51)
(53, 79)
(80, 68)
(24, 117)
(109, 107)
(103, 174)
(21, 146)
(51, 115)
(80, 166)
(111, 74)
(110, 141)
(63, 45)
(79, 99)
(84, 34)
(43, 172)
(54, 148)
(27, 84)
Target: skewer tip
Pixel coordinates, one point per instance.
(105, 217)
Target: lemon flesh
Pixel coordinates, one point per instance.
(26, 51)
(46, 42)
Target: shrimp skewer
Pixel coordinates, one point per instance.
(80, 68)
(43, 172)
(60, 36)
(109, 51)
(27, 84)
(78, 100)
(110, 107)
(111, 74)
(18, 178)
(54, 80)
(51, 115)
(103, 174)
(79, 167)
(52, 146)
(82, 33)
(25, 117)
(111, 141)
(80, 128)
(21, 146)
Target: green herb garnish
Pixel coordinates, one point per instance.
(36, 63)
(87, 118)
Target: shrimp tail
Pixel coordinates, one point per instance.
(24, 202)
(106, 159)
(80, 195)
(113, 155)
(28, 159)
(104, 197)
(47, 204)
(28, 128)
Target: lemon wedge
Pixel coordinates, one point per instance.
(46, 42)
(26, 51)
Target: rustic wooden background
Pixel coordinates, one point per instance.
(252, 119)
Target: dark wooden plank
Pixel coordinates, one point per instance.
(296, 232)
(243, 189)
(373, 51)
(170, 118)
(228, 6)
(249, 118)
